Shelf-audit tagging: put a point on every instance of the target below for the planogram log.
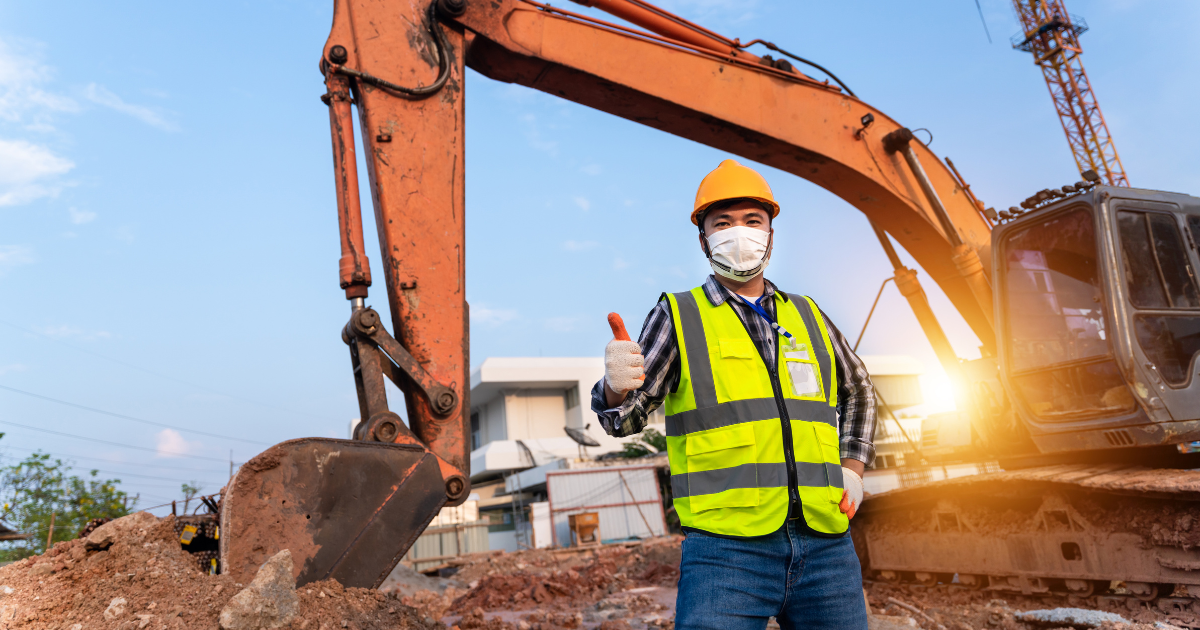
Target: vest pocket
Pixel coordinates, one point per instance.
(721, 469)
(831, 451)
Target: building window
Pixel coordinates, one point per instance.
(476, 438)
(572, 397)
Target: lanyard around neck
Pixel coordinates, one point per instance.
(763, 314)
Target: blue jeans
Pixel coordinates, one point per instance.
(804, 581)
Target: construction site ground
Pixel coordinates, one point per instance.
(631, 586)
(132, 574)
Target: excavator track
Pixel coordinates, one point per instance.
(1072, 530)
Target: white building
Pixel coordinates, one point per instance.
(520, 406)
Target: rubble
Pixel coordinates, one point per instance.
(270, 600)
(131, 574)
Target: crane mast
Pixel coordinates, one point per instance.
(1052, 36)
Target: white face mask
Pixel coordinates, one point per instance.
(739, 253)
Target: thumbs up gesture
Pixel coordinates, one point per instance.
(623, 360)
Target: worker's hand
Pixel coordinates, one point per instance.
(852, 492)
(623, 360)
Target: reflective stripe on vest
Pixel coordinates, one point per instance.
(724, 434)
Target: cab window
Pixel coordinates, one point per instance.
(1157, 270)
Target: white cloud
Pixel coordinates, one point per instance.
(579, 246)
(12, 367)
(583, 203)
(103, 96)
(171, 444)
(22, 100)
(492, 316)
(65, 331)
(592, 169)
(14, 256)
(27, 172)
(79, 217)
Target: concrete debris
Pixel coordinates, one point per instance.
(405, 581)
(115, 609)
(1070, 617)
(269, 602)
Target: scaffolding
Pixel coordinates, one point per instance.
(1052, 36)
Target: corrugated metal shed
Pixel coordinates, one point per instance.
(626, 498)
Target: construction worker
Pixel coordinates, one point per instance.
(756, 384)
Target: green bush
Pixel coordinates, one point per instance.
(39, 487)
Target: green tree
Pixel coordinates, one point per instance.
(190, 490)
(39, 487)
(648, 443)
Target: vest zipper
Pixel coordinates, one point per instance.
(789, 454)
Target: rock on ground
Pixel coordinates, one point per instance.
(1075, 617)
(269, 602)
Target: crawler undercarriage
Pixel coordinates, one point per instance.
(1076, 530)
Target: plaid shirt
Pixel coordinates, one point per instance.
(856, 394)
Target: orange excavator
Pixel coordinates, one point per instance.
(1084, 298)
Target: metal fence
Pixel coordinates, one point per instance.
(440, 543)
(626, 498)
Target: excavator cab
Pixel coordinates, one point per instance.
(1098, 313)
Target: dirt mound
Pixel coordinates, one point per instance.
(131, 574)
(656, 551)
(606, 571)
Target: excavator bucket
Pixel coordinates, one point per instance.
(346, 509)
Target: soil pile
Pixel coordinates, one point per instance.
(548, 580)
(131, 574)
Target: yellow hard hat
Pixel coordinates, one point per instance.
(731, 180)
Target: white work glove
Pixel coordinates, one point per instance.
(852, 492)
(623, 361)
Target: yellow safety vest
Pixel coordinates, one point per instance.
(730, 421)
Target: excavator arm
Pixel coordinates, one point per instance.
(350, 509)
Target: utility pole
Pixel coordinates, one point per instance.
(1052, 36)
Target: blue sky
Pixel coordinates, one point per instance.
(168, 246)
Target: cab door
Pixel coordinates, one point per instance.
(1157, 258)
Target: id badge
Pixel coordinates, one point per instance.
(802, 372)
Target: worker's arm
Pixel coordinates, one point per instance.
(856, 403)
(661, 351)
(856, 412)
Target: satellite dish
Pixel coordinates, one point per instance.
(581, 437)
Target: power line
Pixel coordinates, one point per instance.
(151, 477)
(163, 479)
(91, 439)
(107, 461)
(162, 376)
(125, 417)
